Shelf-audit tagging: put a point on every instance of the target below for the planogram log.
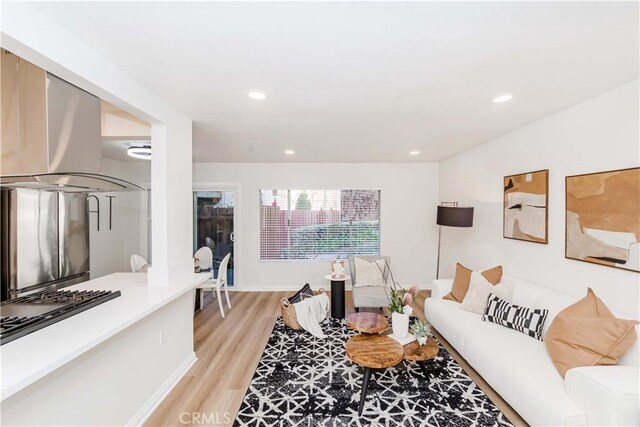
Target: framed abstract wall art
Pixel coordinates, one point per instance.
(603, 218)
(525, 207)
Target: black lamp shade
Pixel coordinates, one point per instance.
(455, 216)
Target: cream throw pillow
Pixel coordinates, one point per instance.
(479, 290)
(369, 273)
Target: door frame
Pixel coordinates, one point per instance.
(237, 241)
(145, 223)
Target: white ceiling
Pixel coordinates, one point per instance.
(360, 82)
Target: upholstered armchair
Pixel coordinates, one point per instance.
(369, 296)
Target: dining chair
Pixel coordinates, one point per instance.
(217, 283)
(208, 241)
(138, 264)
(205, 258)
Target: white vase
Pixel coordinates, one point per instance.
(422, 340)
(400, 324)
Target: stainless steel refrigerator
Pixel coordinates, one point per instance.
(45, 240)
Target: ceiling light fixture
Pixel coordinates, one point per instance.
(414, 153)
(140, 152)
(289, 152)
(258, 95)
(502, 98)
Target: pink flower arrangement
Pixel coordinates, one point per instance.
(414, 290)
(400, 298)
(407, 299)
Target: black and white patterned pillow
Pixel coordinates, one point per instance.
(529, 321)
(304, 293)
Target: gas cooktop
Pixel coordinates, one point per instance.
(24, 315)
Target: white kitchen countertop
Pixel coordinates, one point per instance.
(27, 359)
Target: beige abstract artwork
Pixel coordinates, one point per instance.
(603, 218)
(525, 210)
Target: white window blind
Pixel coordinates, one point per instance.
(319, 224)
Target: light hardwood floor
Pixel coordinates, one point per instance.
(228, 352)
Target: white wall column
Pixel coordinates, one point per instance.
(171, 203)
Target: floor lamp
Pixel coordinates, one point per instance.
(452, 215)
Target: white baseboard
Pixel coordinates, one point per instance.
(267, 289)
(421, 286)
(147, 409)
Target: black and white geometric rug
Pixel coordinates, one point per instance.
(306, 381)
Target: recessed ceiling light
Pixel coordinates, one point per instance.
(502, 98)
(140, 152)
(289, 152)
(257, 95)
(414, 153)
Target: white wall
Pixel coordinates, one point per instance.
(408, 203)
(110, 250)
(597, 135)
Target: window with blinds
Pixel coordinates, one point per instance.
(319, 224)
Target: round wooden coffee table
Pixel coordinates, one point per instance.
(421, 353)
(368, 323)
(373, 352)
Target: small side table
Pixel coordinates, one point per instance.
(372, 352)
(367, 322)
(420, 354)
(337, 295)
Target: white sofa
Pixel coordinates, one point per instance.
(519, 368)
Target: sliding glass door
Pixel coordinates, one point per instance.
(214, 226)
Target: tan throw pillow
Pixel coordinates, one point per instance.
(587, 334)
(463, 277)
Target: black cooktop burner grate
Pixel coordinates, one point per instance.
(59, 297)
(63, 304)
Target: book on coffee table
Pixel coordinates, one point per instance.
(404, 340)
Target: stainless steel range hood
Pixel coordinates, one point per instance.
(51, 133)
(69, 182)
